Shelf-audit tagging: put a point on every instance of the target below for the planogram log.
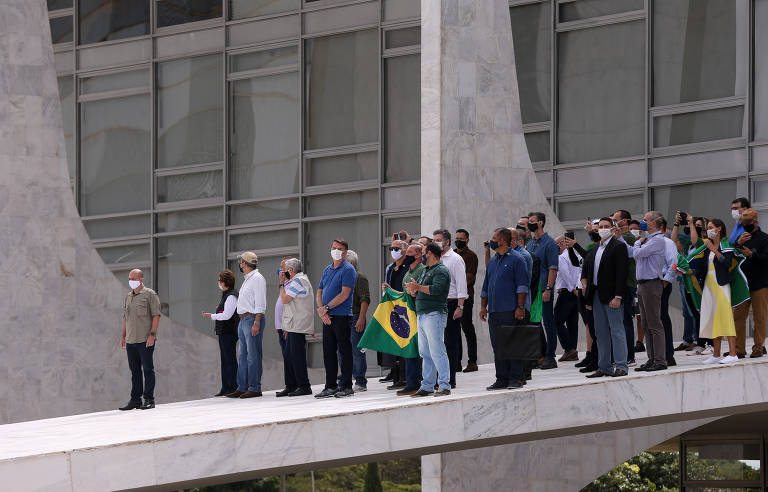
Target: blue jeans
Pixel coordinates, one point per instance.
(140, 360)
(249, 369)
(359, 362)
(609, 329)
(690, 330)
(550, 329)
(432, 351)
(412, 372)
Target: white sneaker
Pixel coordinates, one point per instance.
(729, 359)
(696, 351)
(359, 389)
(708, 350)
(713, 360)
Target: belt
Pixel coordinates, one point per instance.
(642, 281)
(563, 290)
(245, 315)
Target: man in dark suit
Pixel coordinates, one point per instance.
(604, 277)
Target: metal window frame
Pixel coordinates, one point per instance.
(714, 440)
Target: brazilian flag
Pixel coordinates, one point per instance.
(739, 287)
(392, 329)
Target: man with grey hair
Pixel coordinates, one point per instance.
(361, 299)
(393, 278)
(298, 321)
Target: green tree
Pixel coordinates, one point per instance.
(372, 480)
(646, 472)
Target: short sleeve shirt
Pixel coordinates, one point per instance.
(138, 311)
(331, 283)
(547, 251)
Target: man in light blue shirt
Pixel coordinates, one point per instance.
(670, 276)
(737, 207)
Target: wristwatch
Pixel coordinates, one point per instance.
(459, 306)
(153, 334)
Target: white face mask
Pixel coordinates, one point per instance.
(712, 234)
(134, 284)
(439, 244)
(604, 233)
(336, 254)
(635, 232)
(396, 255)
(735, 214)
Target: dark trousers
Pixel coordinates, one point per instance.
(294, 359)
(629, 324)
(506, 369)
(567, 319)
(548, 320)
(140, 360)
(228, 355)
(453, 339)
(589, 321)
(666, 322)
(469, 333)
(336, 338)
(701, 342)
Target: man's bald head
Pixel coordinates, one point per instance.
(136, 274)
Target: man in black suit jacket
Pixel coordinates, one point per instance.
(604, 276)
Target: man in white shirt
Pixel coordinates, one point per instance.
(567, 283)
(457, 294)
(251, 306)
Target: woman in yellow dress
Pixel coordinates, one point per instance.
(716, 313)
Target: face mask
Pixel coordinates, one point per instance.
(735, 214)
(241, 269)
(635, 232)
(595, 237)
(687, 230)
(533, 227)
(134, 284)
(643, 226)
(396, 254)
(336, 254)
(424, 259)
(460, 244)
(749, 227)
(493, 244)
(221, 287)
(409, 260)
(699, 230)
(439, 244)
(604, 233)
(711, 234)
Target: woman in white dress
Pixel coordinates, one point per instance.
(716, 313)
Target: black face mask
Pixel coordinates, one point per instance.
(533, 227)
(595, 237)
(241, 268)
(409, 260)
(424, 259)
(461, 244)
(287, 275)
(687, 230)
(749, 228)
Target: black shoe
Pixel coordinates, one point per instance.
(471, 367)
(639, 347)
(549, 364)
(397, 385)
(764, 351)
(589, 368)
(656, 367)
(344, 392)
(643, 367)
(498, 385)
(327, 393)
(148, 404)
(301, 392)
(131, 405)
(389, 377)
(442, 392)
(597, 374)
(235, 394)
(671, 362)
(515, 384)
(408, 391)
(453, 385)
(421, 393)
(285, 392)
(222, 393)
(251, 394)
(619, 373)
(585, 361)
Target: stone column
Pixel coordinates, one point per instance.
(475, 169)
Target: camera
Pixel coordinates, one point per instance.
(683, 216)
(570, 235)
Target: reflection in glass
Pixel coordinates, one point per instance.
(532, 36)
(276, 57)
(585, 9)
(67, 98)
(189, 186)
(710, 199)
(267, 211)
(115, 81)
(342, 169)
(133, 225)
(342, 84)
(397, 224)
(699, 50)
(580, 210)
(723, 461)
(283, 238)
(538, 146)
(264, 137)
(399, 38)
(184, 220)
(132, 254)
(106, 20)
(174, 12)
(61, 29)
(188, 267)
(402, 160)
(601, 92)
(341, 203)
(241, 9)
(59, 4)
(190, 111)
(699, 126)
(115, 157)
(402, 197)
(760, 85)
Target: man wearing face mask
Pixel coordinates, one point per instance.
(298, 322)
(737, 207)
(141, 315)
(457, 294)
(415, 262)
(622, 219)
(567, 283)
(334, 300)
(754, 245)
(361, 299)
(470, 262)
(393, 278)
(546, 250)
(225, 328)
(251, 306)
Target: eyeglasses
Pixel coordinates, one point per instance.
(394, 248)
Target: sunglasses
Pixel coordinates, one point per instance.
(394, 248)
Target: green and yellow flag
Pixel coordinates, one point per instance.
(739, 286)
(392, 329)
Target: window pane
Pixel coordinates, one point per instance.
(602, 92)
(701, 126)
(760, 191)
(255, 241)
(398, 38)
(190, 111)
(134, 254)
(341, 203)
(272, 210)
(342, 169)
(59, 4)
(134, 225)
(67, 97)
(240, 9)
(342, 89)
(122, 275)
(403, 113)
(185, 220)
(532, 36)
(187, 268)
(761, 70)
(174, 12)
(264, 139)
(105, 20)
(115, 81)
(189, 186)
(699, 50)
(396, 224)
(277, 57)
(538, 146)
(723, 461)
(115, 157)
(596, 208)
(61, 29)
(584, 9)
(402, 197)
(711, 200)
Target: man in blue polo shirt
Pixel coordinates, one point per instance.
(502, 302)
(334, 301)
(545, 249)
